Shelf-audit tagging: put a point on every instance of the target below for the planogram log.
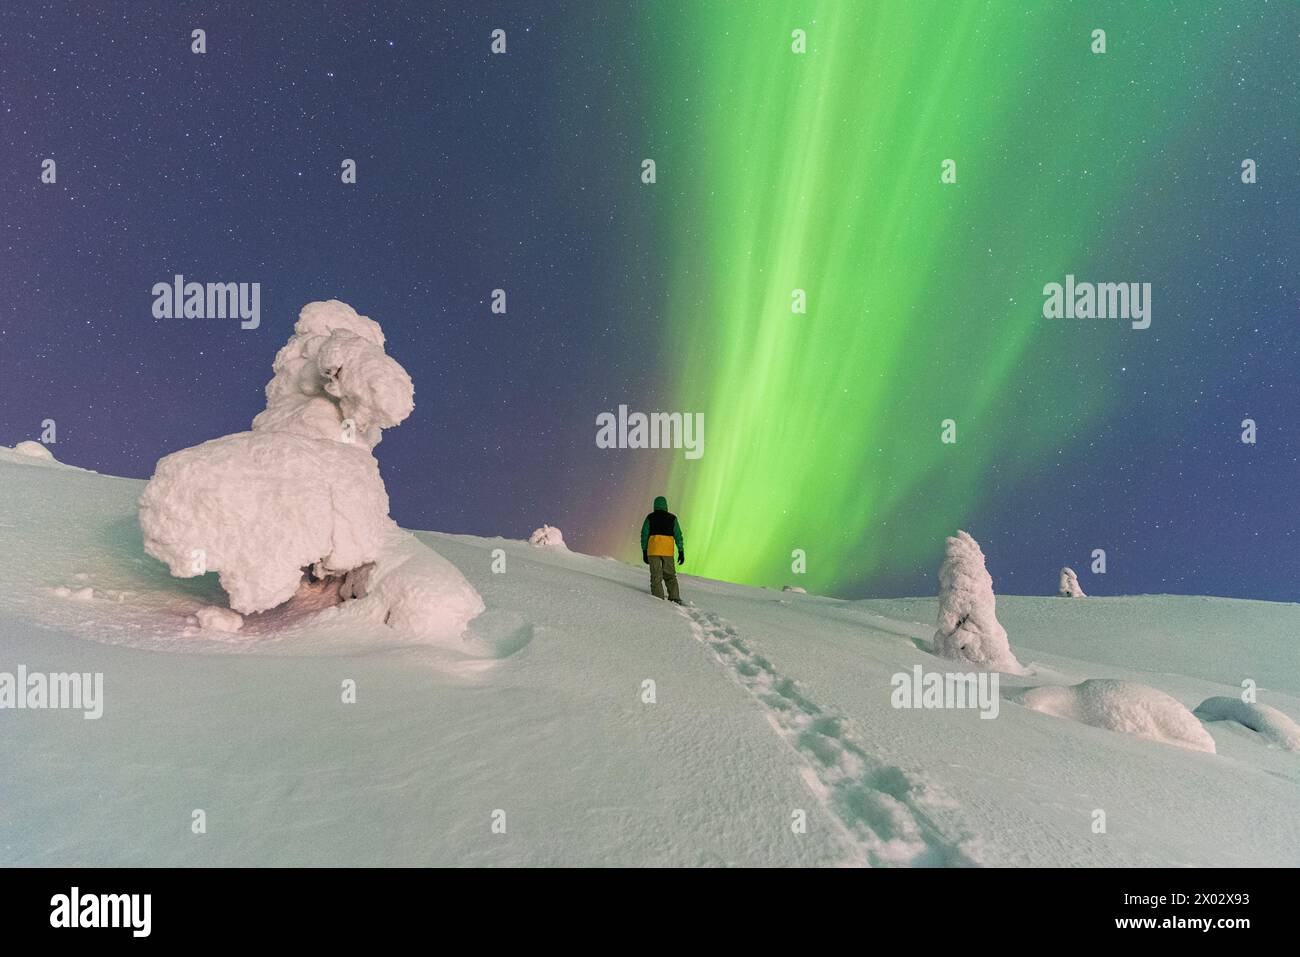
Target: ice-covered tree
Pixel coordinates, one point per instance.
(300, 496)
(548, 536)
(1069, 587)
(968, 627)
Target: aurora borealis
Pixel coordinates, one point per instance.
(821, 172)
(776, 171)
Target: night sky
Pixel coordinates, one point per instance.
(775, 171)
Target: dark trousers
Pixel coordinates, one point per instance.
(663, 570)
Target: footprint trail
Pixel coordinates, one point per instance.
(879, 808)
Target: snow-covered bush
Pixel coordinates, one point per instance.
(548, 536)
(968, 627)
(1123, 706)
(1069, 586)
(1272, 724)
(301, 490)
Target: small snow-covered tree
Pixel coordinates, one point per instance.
(968, 623)
(548, 536)
(1069, 587)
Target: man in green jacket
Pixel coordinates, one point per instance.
(659, 532)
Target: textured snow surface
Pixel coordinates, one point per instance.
(764, 704)
(969, 629)
(1123, 706)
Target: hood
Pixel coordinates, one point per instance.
(661, 504)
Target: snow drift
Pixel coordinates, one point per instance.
(1123, 706)
(968, 623)
(1274, 725)
(301, 492)
(1069, 586)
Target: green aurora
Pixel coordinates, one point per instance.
(821, 171)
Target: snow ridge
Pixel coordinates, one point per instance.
(879, 808)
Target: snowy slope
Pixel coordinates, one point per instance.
(767, 703)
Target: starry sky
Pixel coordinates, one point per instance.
(774, 171)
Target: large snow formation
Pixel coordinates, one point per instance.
(968, 623)
(1272, 724)
(1069, 586)
(301, 491)
(1124, 706)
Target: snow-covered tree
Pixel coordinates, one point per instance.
(968, 627)
(1069, 587)
(301, 492)
(548, 536)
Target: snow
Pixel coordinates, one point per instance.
(763, 706)
(1273, 725)
(259, 507)
(302, 490)
(1124, 706)
(412, 588)
(1069, 586)
(332, 371)
(216, 618)
(968, 623)
(547, 537)
(33, 450)
(76, 594)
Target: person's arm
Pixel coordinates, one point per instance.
(677, 535)
(645, 540)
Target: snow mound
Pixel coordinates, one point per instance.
(1124, 706)
(213, 618)
(413, 588)
(301, 492)
(1273, 724)
(34, 450)
(1069, 586)
(548, 536)
(76, 594)
(968, 627)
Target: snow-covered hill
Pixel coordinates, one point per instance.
(768, 708)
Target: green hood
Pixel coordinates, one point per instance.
(661, 504)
